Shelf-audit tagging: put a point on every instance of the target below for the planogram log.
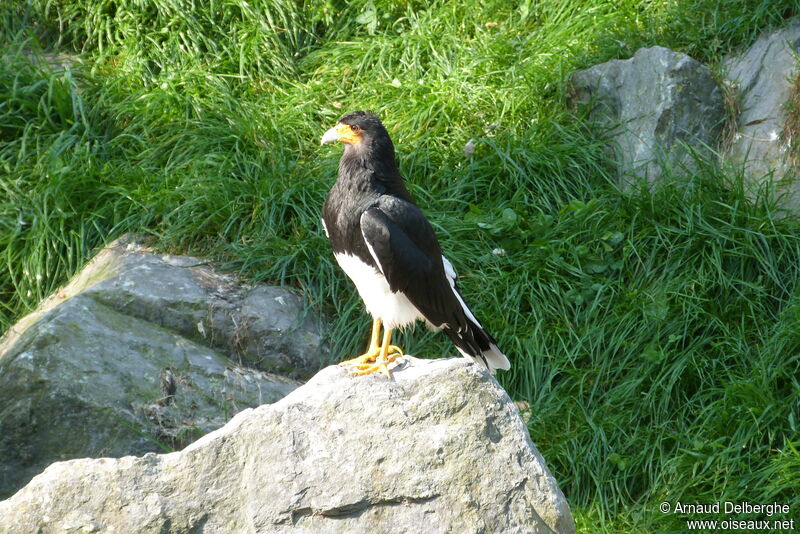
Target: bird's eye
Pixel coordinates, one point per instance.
(355, 128)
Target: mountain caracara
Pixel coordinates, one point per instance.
(385, 245)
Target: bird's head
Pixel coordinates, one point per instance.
(360, 130)
(368, 150)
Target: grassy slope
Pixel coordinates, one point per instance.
(655, 336)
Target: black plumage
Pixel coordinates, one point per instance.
(371, 218)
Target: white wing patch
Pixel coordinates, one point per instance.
(369, 245)
(450, 272)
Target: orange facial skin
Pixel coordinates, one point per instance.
(347, 134)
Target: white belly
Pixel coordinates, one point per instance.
(394, 309)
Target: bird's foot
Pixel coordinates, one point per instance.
(372, 361)
(371, 356)
(381, 364)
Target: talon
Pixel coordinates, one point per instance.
(395, 349)
(379, 365)
(369, 369)
(377, 357)
(368, 357)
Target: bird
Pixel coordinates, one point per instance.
(383, 242)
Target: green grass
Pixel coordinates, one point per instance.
(656, 336)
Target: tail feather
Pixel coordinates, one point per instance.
(474, 342)
(496, 359)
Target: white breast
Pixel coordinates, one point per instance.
(394, 309)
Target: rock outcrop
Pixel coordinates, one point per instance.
(132, 356)
(659, 106)
(766, 79)
(439, 448)
(262, 327)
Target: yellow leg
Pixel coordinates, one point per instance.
(388, 354)
(374, 349)
(376, 333)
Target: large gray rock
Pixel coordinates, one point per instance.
(440, 448)
(114, 364)
(262, 327)
(659, 106)
(764, 76)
